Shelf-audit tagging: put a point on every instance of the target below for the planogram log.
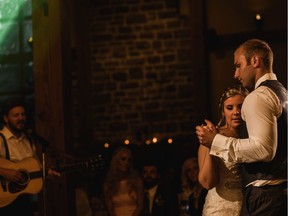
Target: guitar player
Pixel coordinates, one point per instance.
(16, 146)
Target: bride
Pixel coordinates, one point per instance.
(223, 179)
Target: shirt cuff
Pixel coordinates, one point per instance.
(217, 147)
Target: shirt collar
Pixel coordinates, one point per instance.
(267, 76)
(153, 190)
(8, 134)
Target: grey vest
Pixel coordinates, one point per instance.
(277, 168)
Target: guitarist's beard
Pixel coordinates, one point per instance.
(17, 128)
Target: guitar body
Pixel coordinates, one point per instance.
(32, 176)
(32, 182)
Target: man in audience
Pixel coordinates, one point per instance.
(159, 201)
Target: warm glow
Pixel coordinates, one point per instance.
(148, 142)
(170, 141)
(258, 17)
(30, 40)
(106, 145)
(154, 140)
(126, 142)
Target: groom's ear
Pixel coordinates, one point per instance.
(255, 61)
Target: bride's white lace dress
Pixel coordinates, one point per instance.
(226, 198)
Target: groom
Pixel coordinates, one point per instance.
(264, 153)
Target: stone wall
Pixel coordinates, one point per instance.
(142, 75)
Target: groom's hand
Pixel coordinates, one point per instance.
(206, 133)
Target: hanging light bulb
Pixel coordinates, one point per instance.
(258, 21)
(258, 16)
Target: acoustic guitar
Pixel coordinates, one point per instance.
(32, 181)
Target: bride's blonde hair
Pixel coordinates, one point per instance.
(228, 93)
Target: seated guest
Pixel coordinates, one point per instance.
(123, 186)
(191, 196)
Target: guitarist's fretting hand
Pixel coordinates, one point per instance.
(52, 172)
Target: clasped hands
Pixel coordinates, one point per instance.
(206, 133)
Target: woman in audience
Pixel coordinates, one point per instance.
(123, 186)
(192, 195)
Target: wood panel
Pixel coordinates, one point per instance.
(49, 56)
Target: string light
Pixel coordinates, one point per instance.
(106, 145)
(258, 21)
(258, 16)
(148, 142)
(154, 140)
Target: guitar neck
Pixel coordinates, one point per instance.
(36, 174)
(73, 167)
(91, 164)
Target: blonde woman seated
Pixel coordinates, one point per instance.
(123, 186)
(223, 179)
(191, 196)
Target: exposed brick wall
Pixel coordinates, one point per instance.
(142, 74)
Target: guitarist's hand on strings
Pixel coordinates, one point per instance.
(11, 175)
